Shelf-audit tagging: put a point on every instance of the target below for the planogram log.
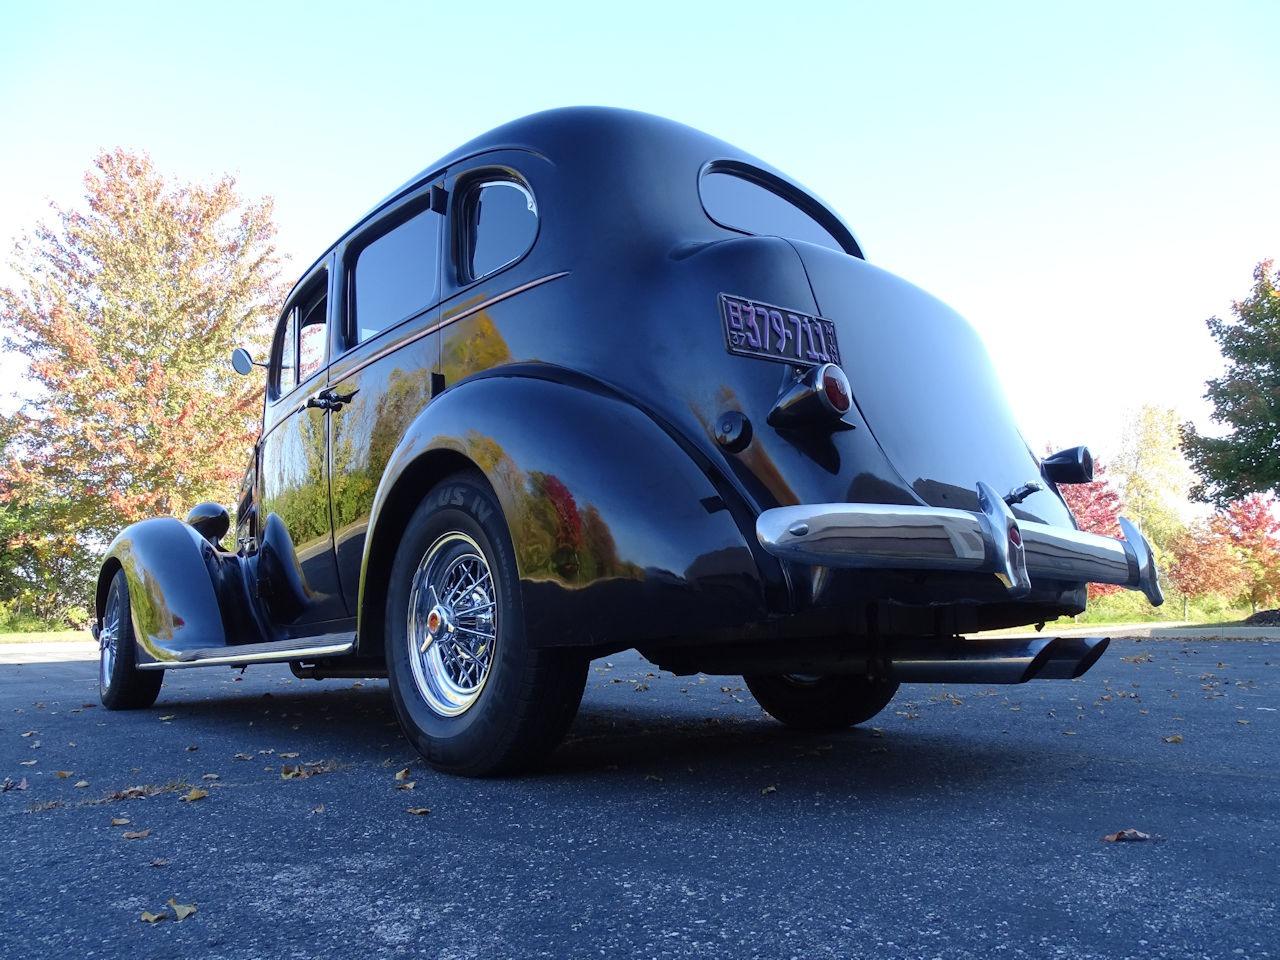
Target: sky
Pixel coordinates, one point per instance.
(1085, 182)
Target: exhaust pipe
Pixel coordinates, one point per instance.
(1071, 657)
(1015, 660)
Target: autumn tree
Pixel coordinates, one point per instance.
(1096, 507)
(1246, 398)
(1206, 562)
(125, 309)
(1253, 529)
(1154, 476)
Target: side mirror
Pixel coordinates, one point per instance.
(1073, 465)
(242, 361)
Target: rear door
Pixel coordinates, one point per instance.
(387, 348)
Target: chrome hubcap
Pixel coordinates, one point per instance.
(108, 639)
(453, 624)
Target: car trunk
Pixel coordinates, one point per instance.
(925, 386)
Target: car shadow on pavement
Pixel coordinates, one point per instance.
(684, 741)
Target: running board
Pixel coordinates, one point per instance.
(277, 651)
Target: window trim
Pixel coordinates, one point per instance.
(465, 189)
(370, 233)
(784, 190)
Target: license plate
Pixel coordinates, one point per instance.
(755, 329)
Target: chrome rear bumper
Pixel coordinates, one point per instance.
(990, 540)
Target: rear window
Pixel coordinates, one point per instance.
(735, 201)
(500, 224)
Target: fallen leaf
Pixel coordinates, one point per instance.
(654, 777)
(768, 790)
(194, 794)
(81, 784)
(1129, 835)
(159, 862)
(62, 774)
(287, 756)
(136, 834)
(418, 811)
(407, 785)
(149, 917)
(288, 772)
(119, 821)
(181, 910)
(8, 785)
(641, 687)
(27, 763)
(169, 716)
(30, 733)
(402, 774)
(318, 808)
(242, 756)
(210, 776)
(192, 748)
(1175, 738)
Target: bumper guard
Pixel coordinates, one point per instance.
(990, 540)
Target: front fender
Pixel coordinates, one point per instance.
(619, 537)
(171, 594)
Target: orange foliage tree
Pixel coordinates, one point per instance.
(125, 309)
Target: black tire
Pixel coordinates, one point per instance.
(527, 697)
(121, 685)
(821, 703)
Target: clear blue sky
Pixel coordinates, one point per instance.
(1085, 182)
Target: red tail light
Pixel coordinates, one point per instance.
(835, 386)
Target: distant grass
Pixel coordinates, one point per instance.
(45, 636)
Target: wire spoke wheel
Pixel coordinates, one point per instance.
(453, 624)
(109, 639)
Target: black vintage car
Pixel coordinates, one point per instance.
(597, 381)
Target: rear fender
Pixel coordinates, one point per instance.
(619, 536)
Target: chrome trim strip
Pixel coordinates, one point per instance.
(891, 537)
(340, 374)
(260, 656)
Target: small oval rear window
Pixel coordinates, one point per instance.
(501, 224)
(739, 203)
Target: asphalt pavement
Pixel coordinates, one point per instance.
(677, 821)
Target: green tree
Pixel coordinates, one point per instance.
(1246, 398)
(1154, 476)
(125, 309)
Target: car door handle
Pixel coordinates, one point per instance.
(329, 399)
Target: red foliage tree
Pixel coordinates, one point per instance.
(1096, 507)
(1253, 529)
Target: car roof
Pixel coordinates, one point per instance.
(554, 133)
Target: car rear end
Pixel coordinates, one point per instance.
(863, 422)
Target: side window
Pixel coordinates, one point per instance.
(301, 337)
(311, 338)
(499, 223)
(744, 205)
(286, 374)
(395, 275)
